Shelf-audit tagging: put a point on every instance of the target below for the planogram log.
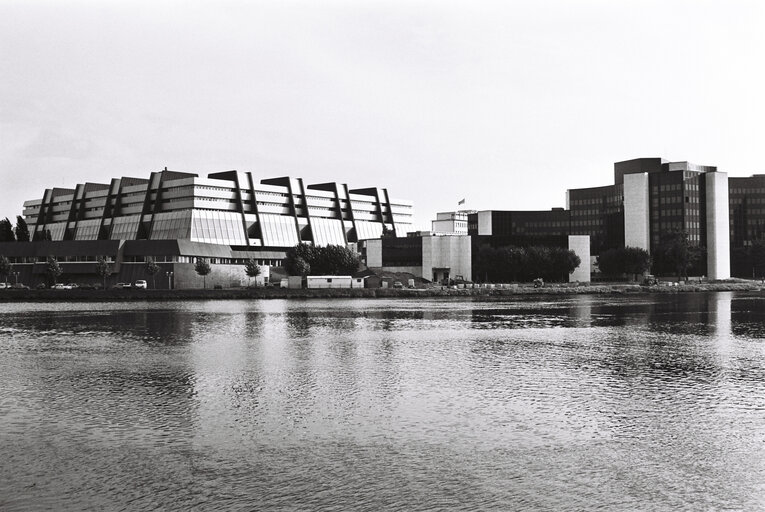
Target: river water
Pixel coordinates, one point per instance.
(581, 403)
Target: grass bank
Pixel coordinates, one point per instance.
(283, 293)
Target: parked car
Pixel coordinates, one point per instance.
(3, 286)
(397, 284)
(122, 285)
(61, 286)
(19, 286)
(140, 284)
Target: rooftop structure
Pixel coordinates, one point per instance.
(229, 208)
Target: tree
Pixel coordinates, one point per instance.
(334, 260)
(636, 261)
(103, 269)
(757, 256)
(511, 263)
(52, 270)
(202, 268)
(151, 269)
(6, 267)
(303, 252)
(624, 260)
(610, 262)
(6, 231)
(565, 261)
(300, 267)
(329, 260)
(22, 230)
(252, 269)
(387, 232)
(675, 252)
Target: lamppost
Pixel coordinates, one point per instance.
(169, 280)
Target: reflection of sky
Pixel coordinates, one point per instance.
(599, 398)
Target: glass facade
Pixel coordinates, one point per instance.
(402, 252)
(171, 225)
(87, 229)
(226, 208)
(56, 230)
(677, 204)
(599, 213)
(125, 228)
(366, 230)
(278, 230)
(327, 232)
(217, 227)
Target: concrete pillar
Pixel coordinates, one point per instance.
(374, 253)
(717, 225)
(580, 244)
(484, 223)
(637, 232)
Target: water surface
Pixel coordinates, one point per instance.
(649, 402)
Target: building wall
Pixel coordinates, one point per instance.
(636, 211)
(580, 244)
(484, 223)
(228, 208)
(453, 252)
(717, 226)
(374, 253)
(599, 213)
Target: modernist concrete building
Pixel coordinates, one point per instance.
(177, 217)
(451, 223)
(551, 228)
(432, 257)
(651, 197)
(648, 198)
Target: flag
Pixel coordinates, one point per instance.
(461, 202)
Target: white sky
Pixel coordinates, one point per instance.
(506, 104)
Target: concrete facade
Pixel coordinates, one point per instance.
(447, 252)
(580, 244)
(718, 226)
(637, 230)
(374, 253)
(440, 256)
(484, 223)
(229, 208)
(450, 223)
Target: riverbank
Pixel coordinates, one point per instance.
(284, 293)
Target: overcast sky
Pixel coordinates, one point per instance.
(505, 104)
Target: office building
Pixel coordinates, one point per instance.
(177, 217)
(433, 257)
(649, 198)
(451, 223)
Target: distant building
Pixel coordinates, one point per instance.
(649, 198)
(432, 257)
(177, 217)
(451, 223)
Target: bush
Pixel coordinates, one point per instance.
(331, 260)
(624, 260)
(510, 263)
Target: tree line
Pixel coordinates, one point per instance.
(329, 260)
(8, 233)
(512, 263)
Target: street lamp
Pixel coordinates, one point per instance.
(169, 280)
